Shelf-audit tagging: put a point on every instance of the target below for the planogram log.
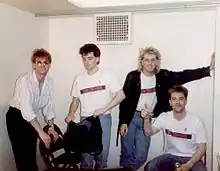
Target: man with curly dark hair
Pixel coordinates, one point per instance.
(98, 92)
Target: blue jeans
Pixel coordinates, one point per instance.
(101, 159)
(166, 162)
(134, 145)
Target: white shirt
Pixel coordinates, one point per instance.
(181, 137)
(94, 91)
(29, 100)
(148, 93)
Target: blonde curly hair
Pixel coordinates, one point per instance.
(150, 51)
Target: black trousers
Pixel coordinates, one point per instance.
(23, 139)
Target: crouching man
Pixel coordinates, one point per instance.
(185, 136)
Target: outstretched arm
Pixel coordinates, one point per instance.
(182, 77)
(119, 96)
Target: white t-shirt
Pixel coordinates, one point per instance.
(181, 137)
(94, 91)
(148, 93)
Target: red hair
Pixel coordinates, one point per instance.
(41, 53)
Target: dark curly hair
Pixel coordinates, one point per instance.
(88, 48)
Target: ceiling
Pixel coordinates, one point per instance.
(63, 7)
(44, 7)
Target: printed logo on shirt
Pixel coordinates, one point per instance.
(92, 89)
(178, 135)
(148, 90)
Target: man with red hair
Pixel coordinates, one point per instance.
(32, 96)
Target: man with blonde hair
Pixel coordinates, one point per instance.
(147, 87)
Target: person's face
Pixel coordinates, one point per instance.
(178, 102)
(149, 63)
(90, 61)
(41, 66)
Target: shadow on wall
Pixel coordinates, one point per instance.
(6, 156)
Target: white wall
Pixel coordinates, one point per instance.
(185, 39)
(20, 33)
(216, 139)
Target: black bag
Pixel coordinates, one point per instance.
(84, 137)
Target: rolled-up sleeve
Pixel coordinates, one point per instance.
(48, 110)
(25, 101)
